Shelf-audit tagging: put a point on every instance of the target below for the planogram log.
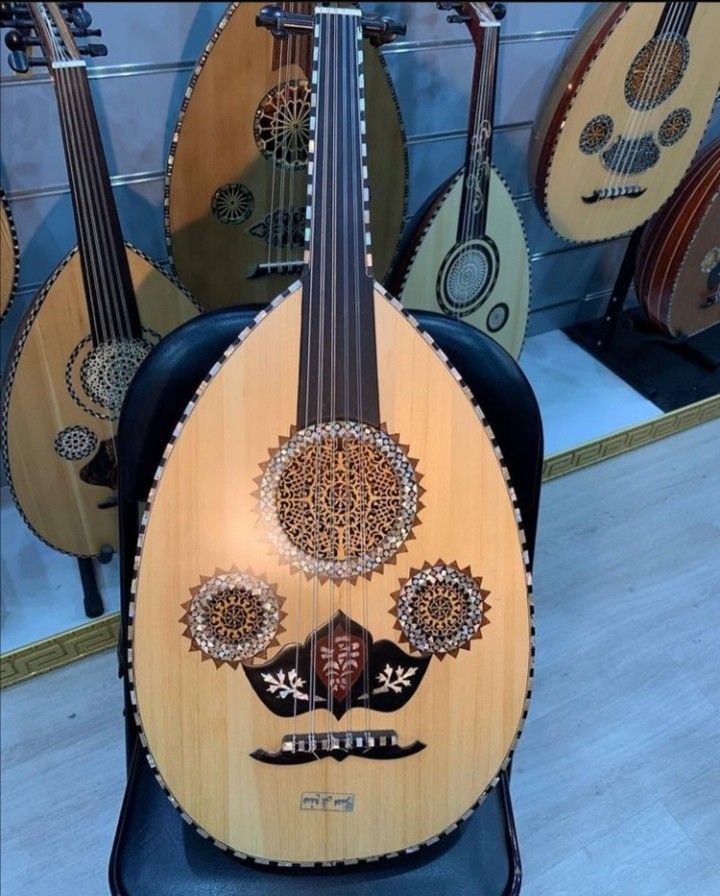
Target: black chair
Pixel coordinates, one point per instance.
(155, 852)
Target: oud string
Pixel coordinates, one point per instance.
(58, 53)
(282, 144)
(360, 272)
(82, 206)
(639, 115)
(117, 308)
(322, 263)
(673, 28)
(348, 286)
(90, 219)
(335, 178)
(274, 146)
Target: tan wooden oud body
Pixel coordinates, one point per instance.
(214, 145)
(512, 288)
(591, 83)
(200, 723)
(37, 404)
(8, 256)
(678, 249)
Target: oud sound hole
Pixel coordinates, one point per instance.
(282, 124)
(232, 203)
(595, 135)
(674, 127)
(441, 609)
(339, 499)
(498, 317)
(656, 71)
(75, 443)
(467, 276)
(233, 617)
(98, 377)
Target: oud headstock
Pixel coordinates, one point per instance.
(59, 30)
(479, 13)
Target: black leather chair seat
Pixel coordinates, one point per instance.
(155, 852)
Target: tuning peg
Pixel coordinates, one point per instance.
(499, 10)
(18, 61)
(81, 18)
(458, 18)
(15, 41)
(94, 50)
(85, 32)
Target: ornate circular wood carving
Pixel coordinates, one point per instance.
(232, 617)
(339, 499)
(232, 203)
(98, 377)
(282, 124)
(595, 135)
(75, 442)
(440, 609)
(674, 127)
(467, 276)
(656, 71)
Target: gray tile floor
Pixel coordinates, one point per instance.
(616, 784)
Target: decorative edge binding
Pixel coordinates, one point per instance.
(136, 566)
(546, 216)
(195, 75)
(15, 351)
(704, 164)
(419, 233)
(16, 250)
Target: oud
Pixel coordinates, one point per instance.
(677, 276)
(330, 646)
(466, 255)
(9, 256)
(624, 115)
(87, 330)
(237, 172)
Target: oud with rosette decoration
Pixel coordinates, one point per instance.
(237, 172)
(330, 651)
(466, 255)
(90, 325)
(677, 276)
(624, 115)
(9, 256)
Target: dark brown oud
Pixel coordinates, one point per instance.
(85, 333)
(677, 277)
(331, 569)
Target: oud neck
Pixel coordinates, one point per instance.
(106, 276)
(476, 178)
(338, 375)
(675, 19)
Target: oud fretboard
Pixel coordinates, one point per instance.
(338, 367)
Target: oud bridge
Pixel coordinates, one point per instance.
(266, 268)
(296, 749)
(628, 191)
